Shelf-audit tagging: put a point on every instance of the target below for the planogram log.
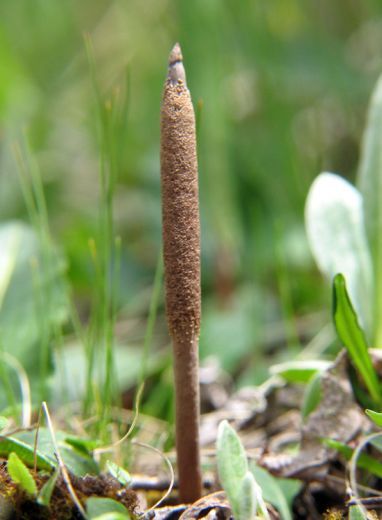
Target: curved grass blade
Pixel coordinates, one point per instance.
(364, 461)
(352, 336)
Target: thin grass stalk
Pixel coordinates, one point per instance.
(112, 127)
(181, 252)
(34, 197)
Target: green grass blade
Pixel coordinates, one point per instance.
(352, 336)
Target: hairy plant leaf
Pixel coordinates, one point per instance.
(20, 474)
(370, 185)
(246, 498)
(276, 491)
(352, 336)
(336, 233)
(231, 461)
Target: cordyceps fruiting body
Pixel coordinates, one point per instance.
(181, 251)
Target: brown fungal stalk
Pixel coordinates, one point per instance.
(181, 251)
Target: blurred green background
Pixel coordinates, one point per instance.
(280, 89)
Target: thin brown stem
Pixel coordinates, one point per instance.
(187, 419)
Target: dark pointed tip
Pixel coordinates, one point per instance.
(176, 72)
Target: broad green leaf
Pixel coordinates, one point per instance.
(375, 417)
(118, 473)
(278, 492)
(352, 336)
(364, 461)
(370, 185)
(299, 371)
(25, 452)
(25, 281)
(231, 461)
(85, 446)
(47, 489)
(76, 461)
(336, 233)
(20, 474)
(98, 506)
(246, 498)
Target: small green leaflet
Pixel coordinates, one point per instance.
(20, 474)
(279, 492)
(118, 473)
(375, 417)
(46, 491)
(299, 371)
(352, 336)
